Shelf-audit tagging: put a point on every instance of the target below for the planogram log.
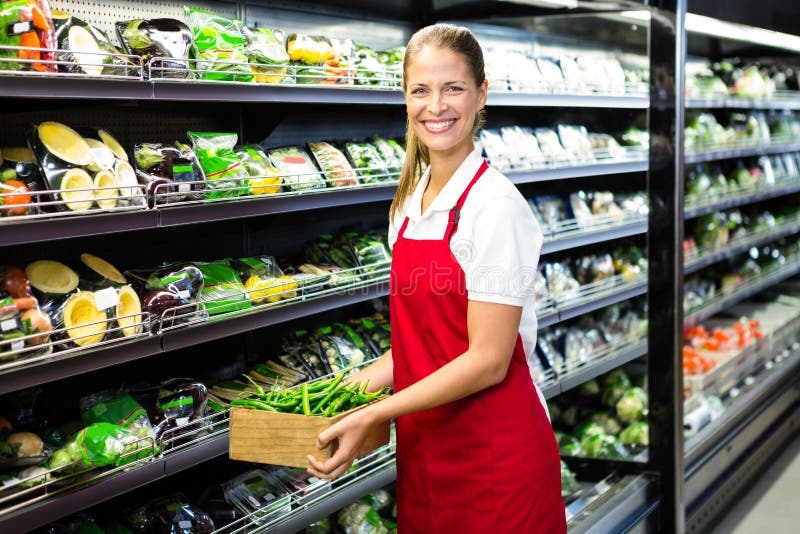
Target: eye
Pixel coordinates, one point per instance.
(417, 91)
(454, 89)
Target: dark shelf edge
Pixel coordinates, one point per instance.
(187, 337)
(74, 88)
(594, 370)
(696, 211)
(580, 171)
(50, 370)
(568, 101)
(617, 512)
(329, 505)
(740, 153)
(584, 307)
(598, 236)
(739, 103)
(76, 226)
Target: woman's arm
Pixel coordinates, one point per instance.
(493, 330)
(379, 373)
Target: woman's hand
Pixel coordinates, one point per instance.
(351, 433)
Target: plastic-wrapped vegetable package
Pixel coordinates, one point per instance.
(264, 281)
(26, 23)
(172, 514)
(334, 164)
(603, 204)
(20, 316)
(495, 149)
(218, 46)
(102, 444)
(552, 210)
(340, 353)
(552, 149)
(224, 173)
(170, 172)
(266, 54)
(298, 170)
(570, 72)
(369, 70)
(371, 253)
(170, 294)
(391, 152)
(604, 146)
(367, 159)
(84, 49)
(257, 494)
(575, 140)
(560, 282)
(222, 291)
(117, 408)
(579, 204)
(166, 40)
(551, 73)
(525, 146)
(593, 269)
(264, 178)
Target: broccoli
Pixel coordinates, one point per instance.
(603, 446)
(610, 424)
(589, 389)
(588, 429)
(636, 435)
(569, 484)
(633, 405)
(615, 385)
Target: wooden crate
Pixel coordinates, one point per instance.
(287, 439)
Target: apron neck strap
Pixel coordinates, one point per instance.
(455, 211)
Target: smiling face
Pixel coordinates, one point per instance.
(443, 99)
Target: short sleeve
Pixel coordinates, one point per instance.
(501, 258)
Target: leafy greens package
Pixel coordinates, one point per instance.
(222, 289)
(264, 178)
(117, 408)
(267, 56)
(166, 39)
(225, 175)
(158, 165)
(369, 162)
(218, 46)
(102, 444)
(298, 169)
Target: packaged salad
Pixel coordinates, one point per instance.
(369, 162)
(551, 146)
(297, 167)
(222, 291)
(218, 47)
(264, 178)
(334, 164)
(266, 54)
(390, 151)
(225, 175)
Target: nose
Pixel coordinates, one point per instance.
(436, 103)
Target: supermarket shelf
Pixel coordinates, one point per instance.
(580, 306)
(588, 236)
(338, 499)
(205, 212)
(692, 211)
(203, 332)
(740, 246)
(43, 229)
(63, 505)
(710, 436)
(714, 155)
(594, 368)
(569, 101)
(622, 507)
(742, 103)
(16, 377)
(580, 171)
(74, 88)
(746, 290)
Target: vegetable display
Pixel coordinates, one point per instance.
(218, 47)
(334, 165)
(85, 49)
(168, 40)
(367, 159)
(267, 56)
(298, 170)
(225, 175)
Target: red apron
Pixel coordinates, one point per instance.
(487, 463)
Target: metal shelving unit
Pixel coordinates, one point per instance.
(714, 155)
(788, 101)
(737, 246)
(742, 199)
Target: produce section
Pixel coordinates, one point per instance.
(240, 246)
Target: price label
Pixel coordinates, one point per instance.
(106, 298)
(253, 501)
(184, 188)
(17, 345)
(184, 294)
(269, 497)
(8, 325)
(312, 480)
(180, 421)
(10, 481)
(185, 525)
(18, 28)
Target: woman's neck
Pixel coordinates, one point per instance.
(444, 163)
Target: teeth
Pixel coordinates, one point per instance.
(439, 125)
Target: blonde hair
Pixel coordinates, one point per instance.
(456, 39)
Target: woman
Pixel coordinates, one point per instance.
(475, 449)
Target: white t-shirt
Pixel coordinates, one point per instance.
(497, 242)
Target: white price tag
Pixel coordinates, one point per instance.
(8, 324)
(184, 294)
(185, 525)
(269, 497)
(253, 501)
(106, 298)
(184, 188)
(17, 345)
(312, 480)
(180, 421)
(21, 27)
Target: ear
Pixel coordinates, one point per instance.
(483, 91)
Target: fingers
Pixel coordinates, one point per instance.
(334, 467)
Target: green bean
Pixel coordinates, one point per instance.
(306, 404)
(254, 404)
(259, 389)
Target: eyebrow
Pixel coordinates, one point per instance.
(417, 84)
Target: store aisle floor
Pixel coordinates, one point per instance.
(771, 506)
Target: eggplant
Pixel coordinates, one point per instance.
(157, 301)
(167, 39)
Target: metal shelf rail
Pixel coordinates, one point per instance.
(742, 198)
